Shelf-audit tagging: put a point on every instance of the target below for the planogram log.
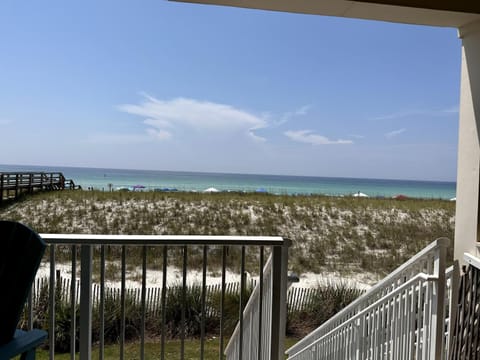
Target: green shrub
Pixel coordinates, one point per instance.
(327, 300)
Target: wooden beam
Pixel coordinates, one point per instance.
(445, 13)
(465, 6)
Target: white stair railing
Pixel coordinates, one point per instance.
(254, 336)
(402, 317)
(452, 278)
(259, 334)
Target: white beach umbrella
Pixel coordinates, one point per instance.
(360, 194)
(210, 190)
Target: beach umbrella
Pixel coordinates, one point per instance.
(210, 190)
(261, 190)
(360, 194)
(400, 197)
(167, 189)
(137, 187)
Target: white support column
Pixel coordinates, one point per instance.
(468, 173)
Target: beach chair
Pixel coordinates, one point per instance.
(21, 251)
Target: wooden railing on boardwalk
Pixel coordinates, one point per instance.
(13, 184)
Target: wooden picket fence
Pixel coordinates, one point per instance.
(298, 299)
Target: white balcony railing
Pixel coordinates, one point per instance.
(269, 326)
(402, 317)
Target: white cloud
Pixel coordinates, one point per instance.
(301, 111)
(397, 115)
(165, 117)
(404, 114)
(120, 139)
(394, 133)
(451, 110)
(159, 134)
(309, 137)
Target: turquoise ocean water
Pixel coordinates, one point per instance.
(276, 184)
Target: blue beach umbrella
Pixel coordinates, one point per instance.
(261, 190)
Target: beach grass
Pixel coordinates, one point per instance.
(325, 301)
(340, 234)
(152, 350)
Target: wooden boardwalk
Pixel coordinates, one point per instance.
(14, 184)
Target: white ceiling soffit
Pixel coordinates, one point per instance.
(357, 9)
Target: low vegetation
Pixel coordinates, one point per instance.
(152, 350)
(328, 299)
(133, 316)
(344, 235)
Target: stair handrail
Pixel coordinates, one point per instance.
(396, 278)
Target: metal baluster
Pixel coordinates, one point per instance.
(122, 307)
(51, 310)
(144, 285)
(102, 303)
(222, 301)
(241, 305)
(204, 292)
(260, 303)
(86, 303)
(164, 298)
(184, 304)
(73, 317)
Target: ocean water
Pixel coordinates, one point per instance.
(275, 184)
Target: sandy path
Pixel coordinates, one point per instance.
(174, 277)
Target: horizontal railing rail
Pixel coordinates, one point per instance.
(472, 260)
(428, 264)
(93, 249)
(175, 240)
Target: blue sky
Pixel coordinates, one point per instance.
(176, 86)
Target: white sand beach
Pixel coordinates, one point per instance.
(174, 277)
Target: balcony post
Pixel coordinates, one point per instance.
(468, 165)
(86, 303)
(279, 300)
